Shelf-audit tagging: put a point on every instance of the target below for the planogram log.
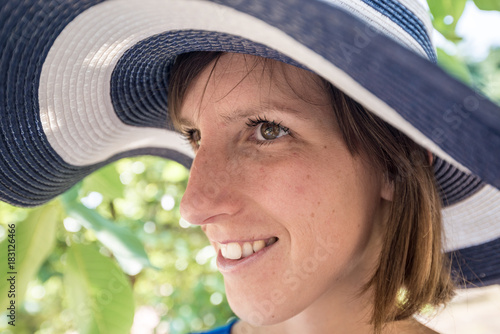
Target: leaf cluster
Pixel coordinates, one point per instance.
(109, 249)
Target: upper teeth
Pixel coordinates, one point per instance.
(235, 251)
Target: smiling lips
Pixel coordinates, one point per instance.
(236, 251)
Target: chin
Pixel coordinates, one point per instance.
(259, 311)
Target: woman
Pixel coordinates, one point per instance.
(325, 217)
(308, 190)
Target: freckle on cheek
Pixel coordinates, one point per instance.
(308, 176)
(300, 190)
(312, 214)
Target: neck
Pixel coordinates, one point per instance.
(337, 311)
(334, 318)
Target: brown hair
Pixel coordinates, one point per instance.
(412, 271)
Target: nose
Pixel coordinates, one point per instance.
(209, 192)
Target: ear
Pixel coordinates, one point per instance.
(387, 189)
(430, 157)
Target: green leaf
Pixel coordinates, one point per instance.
(71, 194)
(106, 181)
(98, 292)
(488, 4)
(446, 14)
(454, 66)
(125, 246)
(34, 240)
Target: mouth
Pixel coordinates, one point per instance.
(241, 250)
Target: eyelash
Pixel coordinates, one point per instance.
(262, 120)
(189, 134)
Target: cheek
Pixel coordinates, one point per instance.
(284, 187)
(320, 211)
(272, 175)
(336, 200)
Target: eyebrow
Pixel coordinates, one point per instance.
(239, 114)
(184, 122)
(263, 109)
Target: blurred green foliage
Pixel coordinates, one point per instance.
(485, 75)
(113, 246)
(445, 14)
(109, 247)
(482, 75)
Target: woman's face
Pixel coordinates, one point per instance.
(272, 170)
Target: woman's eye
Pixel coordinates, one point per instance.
(267, 131)
(193, 136)
(270, 131)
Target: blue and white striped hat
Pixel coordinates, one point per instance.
(83, 83)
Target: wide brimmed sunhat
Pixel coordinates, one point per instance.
(84, 83)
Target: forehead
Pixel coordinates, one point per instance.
(234, 69)
(236, 80)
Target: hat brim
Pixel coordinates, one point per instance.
(83, 83)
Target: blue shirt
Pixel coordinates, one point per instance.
(226, 329)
